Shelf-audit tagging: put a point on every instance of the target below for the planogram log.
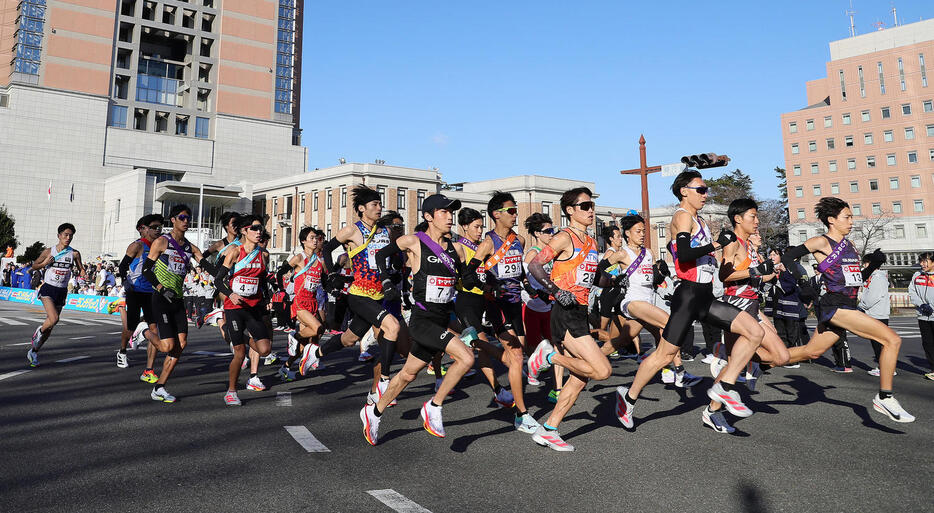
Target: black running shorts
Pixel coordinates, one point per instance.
(694, 302)
(469, 309)
(136, 302)
(505, 316)
(170, 316)
(569, 320)
(430, 335)
(367, 312)
(250, 318)
(58, 295)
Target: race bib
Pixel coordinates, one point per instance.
(586, 272)
(439, 289)
(509, 267)
(312, 280)
(245, 285)
(177, 264)
(852, 275)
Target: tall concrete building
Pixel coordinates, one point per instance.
(867, 136)
(125, 107)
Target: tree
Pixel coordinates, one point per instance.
(868, 231)
(7, 230)
(773, 223)
(31, 254)
(782, 184)
(729, 187)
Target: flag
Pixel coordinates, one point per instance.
(50, 190)
(72, 197)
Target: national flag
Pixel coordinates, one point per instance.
(72, 197)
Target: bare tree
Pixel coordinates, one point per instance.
(773, 223)
(869, 231)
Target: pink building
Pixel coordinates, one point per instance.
(867, 136)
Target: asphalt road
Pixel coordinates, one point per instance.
(83, 435)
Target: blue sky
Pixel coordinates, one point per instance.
(492, 89)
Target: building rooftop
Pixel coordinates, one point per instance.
(903, 35)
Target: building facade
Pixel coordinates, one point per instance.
(867, 136)
(130, 107)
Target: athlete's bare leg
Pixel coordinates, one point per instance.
(174, 349)
(586, 362)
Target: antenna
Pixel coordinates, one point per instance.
(894, 14)
(850, 12)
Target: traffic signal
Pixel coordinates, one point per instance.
(705, 160)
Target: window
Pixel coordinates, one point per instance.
(400, 198)
(890, 159)
(800, 213)
(275, 206)
(343, 197)
(854, 186)
(870, 161)
(421, 198)
(832, 165)
(846, 119)
(851, 163)
(915, 181)
(922, 230)
(802, 236)
(797, 169)
(848, 141)
(862, 82)
(794, 149)
(799, 192)
(793, 127)
(912, 157)
(815, 168)
(901, 73)
(834, 188)
(867, 138)
(864, 115)
(382, 194)
(931, 154)
(906, 109)
(285, 57)
(828, 121)
(830, 143)
(812, 145)
(881, 78)
(857, 210)
(886, 113)
(117, 211)
(842, 86)
(893, 183)
(327, 199)
(876, 209)
(117, 116)
(546, 209)
(809, 125)
(896, 207)
(314, 200)
(662, 231)
(887, 136)
(181, 125)
(899, 231)
(202, 127)
(329, 232)
(816, 190)
(873, 185)
(919, 205)
(275, 233)
(28, 48)
(909, 133)
(301, 205)
(924, 73)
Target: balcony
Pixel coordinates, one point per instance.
(284, 219)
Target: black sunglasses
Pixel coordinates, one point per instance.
(183, 217)
(549, 231)
(256, 228)
(584, 205)
(700, 190)
(397, 226)
(155, 227)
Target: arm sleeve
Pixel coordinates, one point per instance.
(537, 270)
(382, 259)
(470, 277)
(329, 248)
(206, 264)
(686, 252)
(790, 259)
(124, 266)
(149, 272)
(220, 279)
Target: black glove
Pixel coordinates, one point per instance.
(926, 310)
(531, 291)
(762, 269)
(726, 237)
(662, 268)
(807, 292)
(406, 302)
(168, 294)
(565, 298)
(621, 280)
(390, 292)
(877, 257)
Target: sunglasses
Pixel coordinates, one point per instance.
(256, 228)
(584, 205)
(509, 210)
(156, 227)
(183, 217)
(700, 190)
(549, 231)
(397, 226)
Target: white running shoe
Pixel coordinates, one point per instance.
(708, 358)
(270, 359)
(875, 372)
(716, 366)
(370, 424)
(372, 397)
(246, 362)
(431, 415)
(122, 361)
(732, 400)
(685, 379)
(539, 359)
(526, 424)
(309, 359)
(255, 384)
(33, 357)
(532, 380)
(159, 393)
(668, 375)
(293, 343)
(793, 366)
(138, 335)
(624, 408)
(551, 438)
(381, 387)
(716, 421)
(231, 399)
(504, 398)
(36, 337)
(891, 408)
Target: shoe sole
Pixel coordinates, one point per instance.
(366, 427)
(545, 443)
(523, 429)
(887, 413)
(426, 424)
(161, 400)
(729, 407)
(256, 389)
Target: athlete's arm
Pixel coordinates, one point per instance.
(791, 256)
(682, 225)
(81, 271)
(44, 259)
(131, 251)
(558, 245)
(222, 274)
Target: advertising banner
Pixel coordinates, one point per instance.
(84, 303)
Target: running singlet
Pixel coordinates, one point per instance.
(538, 304)
(508, 269)
(309, 277)
(744, 288)
(245, 278)
(702, 269)
(58, 272)
(134, 277)
(640, 281)
(220, 254)
(433, 285)
(470, 249)
(171, 267)
(842, 274)
(577, 273)
(366, 280)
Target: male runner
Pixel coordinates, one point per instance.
(60, 259)
(139, 292)
(308, 272)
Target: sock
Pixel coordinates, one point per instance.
(496, 389)
(149, 368)
(679, 368)
(550, 356)
(435, 405)
(549, 428)
(158, 388)
(727, 386)
(376, 411)
(711, 410)
(629, 398)
(519, 412)
(331, 345)
(252, 376)
(387, 354)
(122, 351)
(884, 394)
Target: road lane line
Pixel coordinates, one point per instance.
(211, 353)
(72, 359)
(12, 322)
(14, 373)
(77, 321)
(21, 344)
(306, 439)
(397, 501)
(81, 338)
(109, 321)
(284, 399)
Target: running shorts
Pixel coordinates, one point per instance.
(58, 295)
(537, 327)
(367, 313)
(137, 302)
(249, 318)
(505, 316)
(748, 305)
(430, 335)
(305, 300)
(569, 320)
(469, 309)
(827, 306)
(170, 316)
(694, 302)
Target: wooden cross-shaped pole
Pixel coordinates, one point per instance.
(643, 170)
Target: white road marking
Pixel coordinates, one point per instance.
(284, 399)
(21, 344)
(81, 338)
(12, 322)
(211, 353)
(14, 373)
(76, 321)
(306, 439)
(115, 332)
(72, 359)
(109, 321)
(397, 501)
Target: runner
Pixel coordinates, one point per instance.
(537, 306)
(499, 256)
(692, 249)
(138, 295)
(611, 319)
(308, 272)
(575, 257)
(169, 259)
(60, 259)
(838, 263)
(241, 278)
(436, 264)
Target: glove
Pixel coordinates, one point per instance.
(390, 292)
(406, 302)
(762, 269)
(662, 268)
(168, 294)
(531, 291)
(726, 237)
(565, 298)
(621, 280)
(926, 310)
(877, 257)
(471, 280)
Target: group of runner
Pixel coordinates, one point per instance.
(456, 285)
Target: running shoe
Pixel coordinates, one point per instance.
(33, 357)
(431, 415)
(161, 394)
(246, 361)
(431, 370)
(526, 424)
(532, 380)
(231, 399)
(122, 361)
(468, 336)
(685, 379)
(668, 375)
(551, 438)
(199, 320)
(285, 374)
(255, 384)
(539, 359)
(504, 398)
(370, 423)
(875, 372)
(148, 376)
(732, 400)
(842, 370)
(793, 366)
(687, 357)
(890, 407)
(309, 359)
(553, 396)
(214, 317)
(372, 351)
(293, 343)
(614, 355)
(270, 359)
(381, 387)
(138, 335)
(929, 375)
(624, 407)
(708, 358)
(716, 366)
(372, 397)
(753, 371)
(36, 337)
(716, 421)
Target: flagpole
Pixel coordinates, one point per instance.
(48, 218)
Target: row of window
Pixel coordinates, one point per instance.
(894, 185)
(868, 139)
(28, 47)
(876, 207)
(879, 69)
(117, 117)
(400, 199)
(890, 159)
(285, 56)
(865, 115)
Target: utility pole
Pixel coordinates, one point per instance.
(643, 170)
